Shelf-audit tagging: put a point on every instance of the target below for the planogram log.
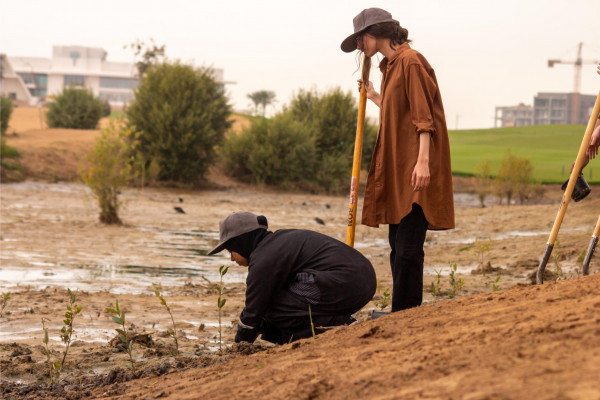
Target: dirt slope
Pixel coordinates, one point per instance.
(528, 342)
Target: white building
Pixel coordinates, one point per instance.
(32, 79)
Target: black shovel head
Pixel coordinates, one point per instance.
(580, 190)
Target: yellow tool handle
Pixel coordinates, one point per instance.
(575, 172)
(358, 144)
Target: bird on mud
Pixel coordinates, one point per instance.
(179, 210)
(319, 221)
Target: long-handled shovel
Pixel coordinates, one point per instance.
(568, 191)
(358, 144)
(590, 249)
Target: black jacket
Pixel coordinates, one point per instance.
(345, 278)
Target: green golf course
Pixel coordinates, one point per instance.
(550, 148)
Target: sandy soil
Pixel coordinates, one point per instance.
(517, 343)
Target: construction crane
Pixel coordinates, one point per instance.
(578, 62)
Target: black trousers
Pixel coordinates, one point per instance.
(288, 319)
(406, 259)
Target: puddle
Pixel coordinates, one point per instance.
(116, 279)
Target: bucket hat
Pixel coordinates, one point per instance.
(366, 18)
(237, 224)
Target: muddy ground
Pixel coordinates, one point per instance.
(485, 344)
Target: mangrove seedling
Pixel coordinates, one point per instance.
(53, 366)
(170, 331)
(456, 285)
(384, 298)
(5, 297)
(125, 337)
(312, 325)
(436, 289)
(481, 248)
(66, 335)
(495, 285)
(221, 302)
(556, 255)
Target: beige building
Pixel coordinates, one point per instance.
(32, 80)
(548, 108)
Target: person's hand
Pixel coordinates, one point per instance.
(371, 93)
(246, 334)
(420, 176)
(592, 150)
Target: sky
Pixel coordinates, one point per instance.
(485, 53)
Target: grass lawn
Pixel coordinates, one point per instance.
(550, 148)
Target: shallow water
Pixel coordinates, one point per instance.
(116, 279)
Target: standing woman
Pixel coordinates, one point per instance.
(409, 185)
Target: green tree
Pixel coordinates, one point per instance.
(278, 152)
(6, 107)
(10, 168)
(181, 114)
(109, 169)
(262, 98)
(323, 125)
(146, 55)
(75, 109)
(483, 181)
(514, 177)
(333, 116)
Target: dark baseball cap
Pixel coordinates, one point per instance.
(366, 18)
(237, 224)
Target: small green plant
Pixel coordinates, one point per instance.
(384, 299)
(580, 261)
(170, 331)
(5, 298)
(436, 289)
(556, 255)
(109, 168)
(456, 285)
(221, 302)
(66, 335)
(312, 325)
(125, 337)
(481, 248)
(495, 285)
(53, 366)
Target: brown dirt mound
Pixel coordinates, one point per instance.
(527, 342)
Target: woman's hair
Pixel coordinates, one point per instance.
(388, 30)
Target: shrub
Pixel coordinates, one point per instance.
(278, 152)
(109, 169)
(75, 109)
(181, 115)
(10, 168)
(106, 110)
(482, 181)
(6, 107)
(333, 117)
(515, 177)
(307, 146)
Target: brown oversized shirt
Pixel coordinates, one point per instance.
(411, 104)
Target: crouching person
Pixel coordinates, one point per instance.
(290, 270)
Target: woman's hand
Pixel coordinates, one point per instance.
(371, 93)
(592, 150)
(420, 176)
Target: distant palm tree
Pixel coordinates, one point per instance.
(262, 98)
